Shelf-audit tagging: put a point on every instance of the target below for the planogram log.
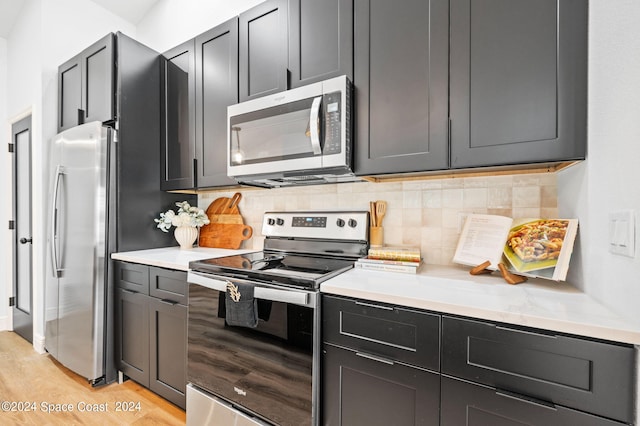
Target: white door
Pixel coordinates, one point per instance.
(22, 240)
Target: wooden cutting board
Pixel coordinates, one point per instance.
(225, 235)
(226, 228)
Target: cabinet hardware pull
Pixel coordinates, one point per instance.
(526, 399)
(168, 302)
(371, 305)
(126, 290)
(374, 358)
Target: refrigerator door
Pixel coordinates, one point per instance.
(80, 231)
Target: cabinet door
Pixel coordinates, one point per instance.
(178, 118)
(168, 350)
(70, 112)
(132, 335)
(360, 389)
(320, 40)
(465, 403)
(98, 85)
(263, 49)
(401, 85)
(216, 89)
(518, 81)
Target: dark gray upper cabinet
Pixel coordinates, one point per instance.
(263, 49)
(178, 118)
(69, 94)
(320, 40)
(518, 81)
(216, 89)
(86, 86)
(401, 85)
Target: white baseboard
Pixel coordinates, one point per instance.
(38, 343)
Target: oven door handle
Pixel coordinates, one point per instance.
(265, 293)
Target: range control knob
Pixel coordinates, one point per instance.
(353, 223)
(279, 221)
(340, 223)
(271, 221)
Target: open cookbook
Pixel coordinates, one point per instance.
(530, 247)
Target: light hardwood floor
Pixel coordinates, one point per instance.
(31, 381)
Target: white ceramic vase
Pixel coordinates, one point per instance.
(186, 236)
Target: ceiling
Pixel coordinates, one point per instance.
(130, 10)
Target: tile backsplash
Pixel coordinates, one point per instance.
(425, 213)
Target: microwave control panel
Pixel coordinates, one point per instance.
(333, 128)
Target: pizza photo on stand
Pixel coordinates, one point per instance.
(536, 245)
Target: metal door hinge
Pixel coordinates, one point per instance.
(12, 301)
(12, 224)
(11, 147)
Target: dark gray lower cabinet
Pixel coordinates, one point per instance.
(380, 364)
(591, 376)
(151, 332)
(470, 404)
(168, 350)
(362, 389)
(390, 365)
(132, 331)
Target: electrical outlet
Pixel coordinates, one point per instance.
(622, 233)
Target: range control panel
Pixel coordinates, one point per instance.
(333, 225)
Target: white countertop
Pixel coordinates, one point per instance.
(174, 257)
(536, 303)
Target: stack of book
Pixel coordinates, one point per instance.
(393, 259)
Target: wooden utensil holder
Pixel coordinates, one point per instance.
(376, 236)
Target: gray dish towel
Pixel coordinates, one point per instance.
(241, 307)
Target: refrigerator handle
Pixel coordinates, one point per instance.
(54, 221)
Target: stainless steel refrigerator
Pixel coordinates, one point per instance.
(76, 293)
(104, 192)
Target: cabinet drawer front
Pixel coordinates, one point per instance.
(168, 285)
(591, 376)
(465, 403)
(358, 390)
(394, 333)
(132, 276)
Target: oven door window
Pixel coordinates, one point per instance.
(284, 132)
(266, 369)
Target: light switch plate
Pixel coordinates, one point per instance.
(622, 233)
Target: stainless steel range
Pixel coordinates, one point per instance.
(257, 361)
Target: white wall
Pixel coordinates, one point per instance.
(5, 190)
(171, 22)
(610, 179)
(45, 35)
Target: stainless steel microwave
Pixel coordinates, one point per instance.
(301, 136)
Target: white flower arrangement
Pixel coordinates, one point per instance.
(187, 216)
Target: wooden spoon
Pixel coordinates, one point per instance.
(381, 210)
(372, 213)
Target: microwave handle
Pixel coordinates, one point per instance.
(314, 117)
